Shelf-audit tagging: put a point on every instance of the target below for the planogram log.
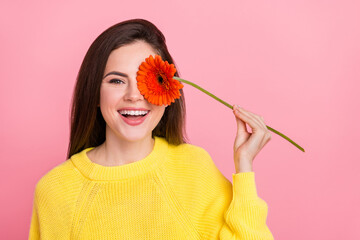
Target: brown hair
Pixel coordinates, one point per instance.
(87, 122)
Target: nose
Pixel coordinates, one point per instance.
(133, 94)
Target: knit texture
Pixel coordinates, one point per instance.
(176, 192)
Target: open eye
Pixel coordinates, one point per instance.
(116, 81)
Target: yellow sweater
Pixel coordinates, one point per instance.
(176, 192)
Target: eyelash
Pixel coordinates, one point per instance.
(113, 81)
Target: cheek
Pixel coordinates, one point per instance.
(158, 113)
(108, 104)
(108, 98)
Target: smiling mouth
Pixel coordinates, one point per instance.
(133, 114)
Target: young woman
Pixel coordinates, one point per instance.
(129, 173)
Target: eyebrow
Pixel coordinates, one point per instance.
(116, 73)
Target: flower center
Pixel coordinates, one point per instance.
(163, 81)
(160, 79)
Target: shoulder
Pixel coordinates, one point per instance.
(196, 159)
(182, 153)
(193, 175)
(188, 150)
(56, 179)
(187, 153)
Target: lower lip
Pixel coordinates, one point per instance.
(134, 122)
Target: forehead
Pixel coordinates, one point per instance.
(129, 57)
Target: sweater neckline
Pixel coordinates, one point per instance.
(96, 171)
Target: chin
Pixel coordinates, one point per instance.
(127, 133)
(134, 136)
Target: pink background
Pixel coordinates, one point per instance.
(296, 63)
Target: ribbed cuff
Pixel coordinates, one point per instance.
(244, 185)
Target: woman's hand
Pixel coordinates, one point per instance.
(248, 145)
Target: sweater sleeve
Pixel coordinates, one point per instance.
(230, 211)
(245, 218)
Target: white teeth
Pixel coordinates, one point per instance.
(132, 112)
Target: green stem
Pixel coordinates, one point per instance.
(231, 107)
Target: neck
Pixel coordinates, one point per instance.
(115, 151)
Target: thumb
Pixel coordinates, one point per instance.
(241, 125)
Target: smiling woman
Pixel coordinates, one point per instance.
(129, 173)
(121, 103)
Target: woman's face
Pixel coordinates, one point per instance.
(127, 114)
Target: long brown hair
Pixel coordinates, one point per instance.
(87, 122)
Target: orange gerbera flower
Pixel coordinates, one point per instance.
(155, 81)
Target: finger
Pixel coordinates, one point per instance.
(258, 118)
(251, 116)
(266, 139)
(241, 125)
(261, 120)
(249, 119)
(266, 135)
